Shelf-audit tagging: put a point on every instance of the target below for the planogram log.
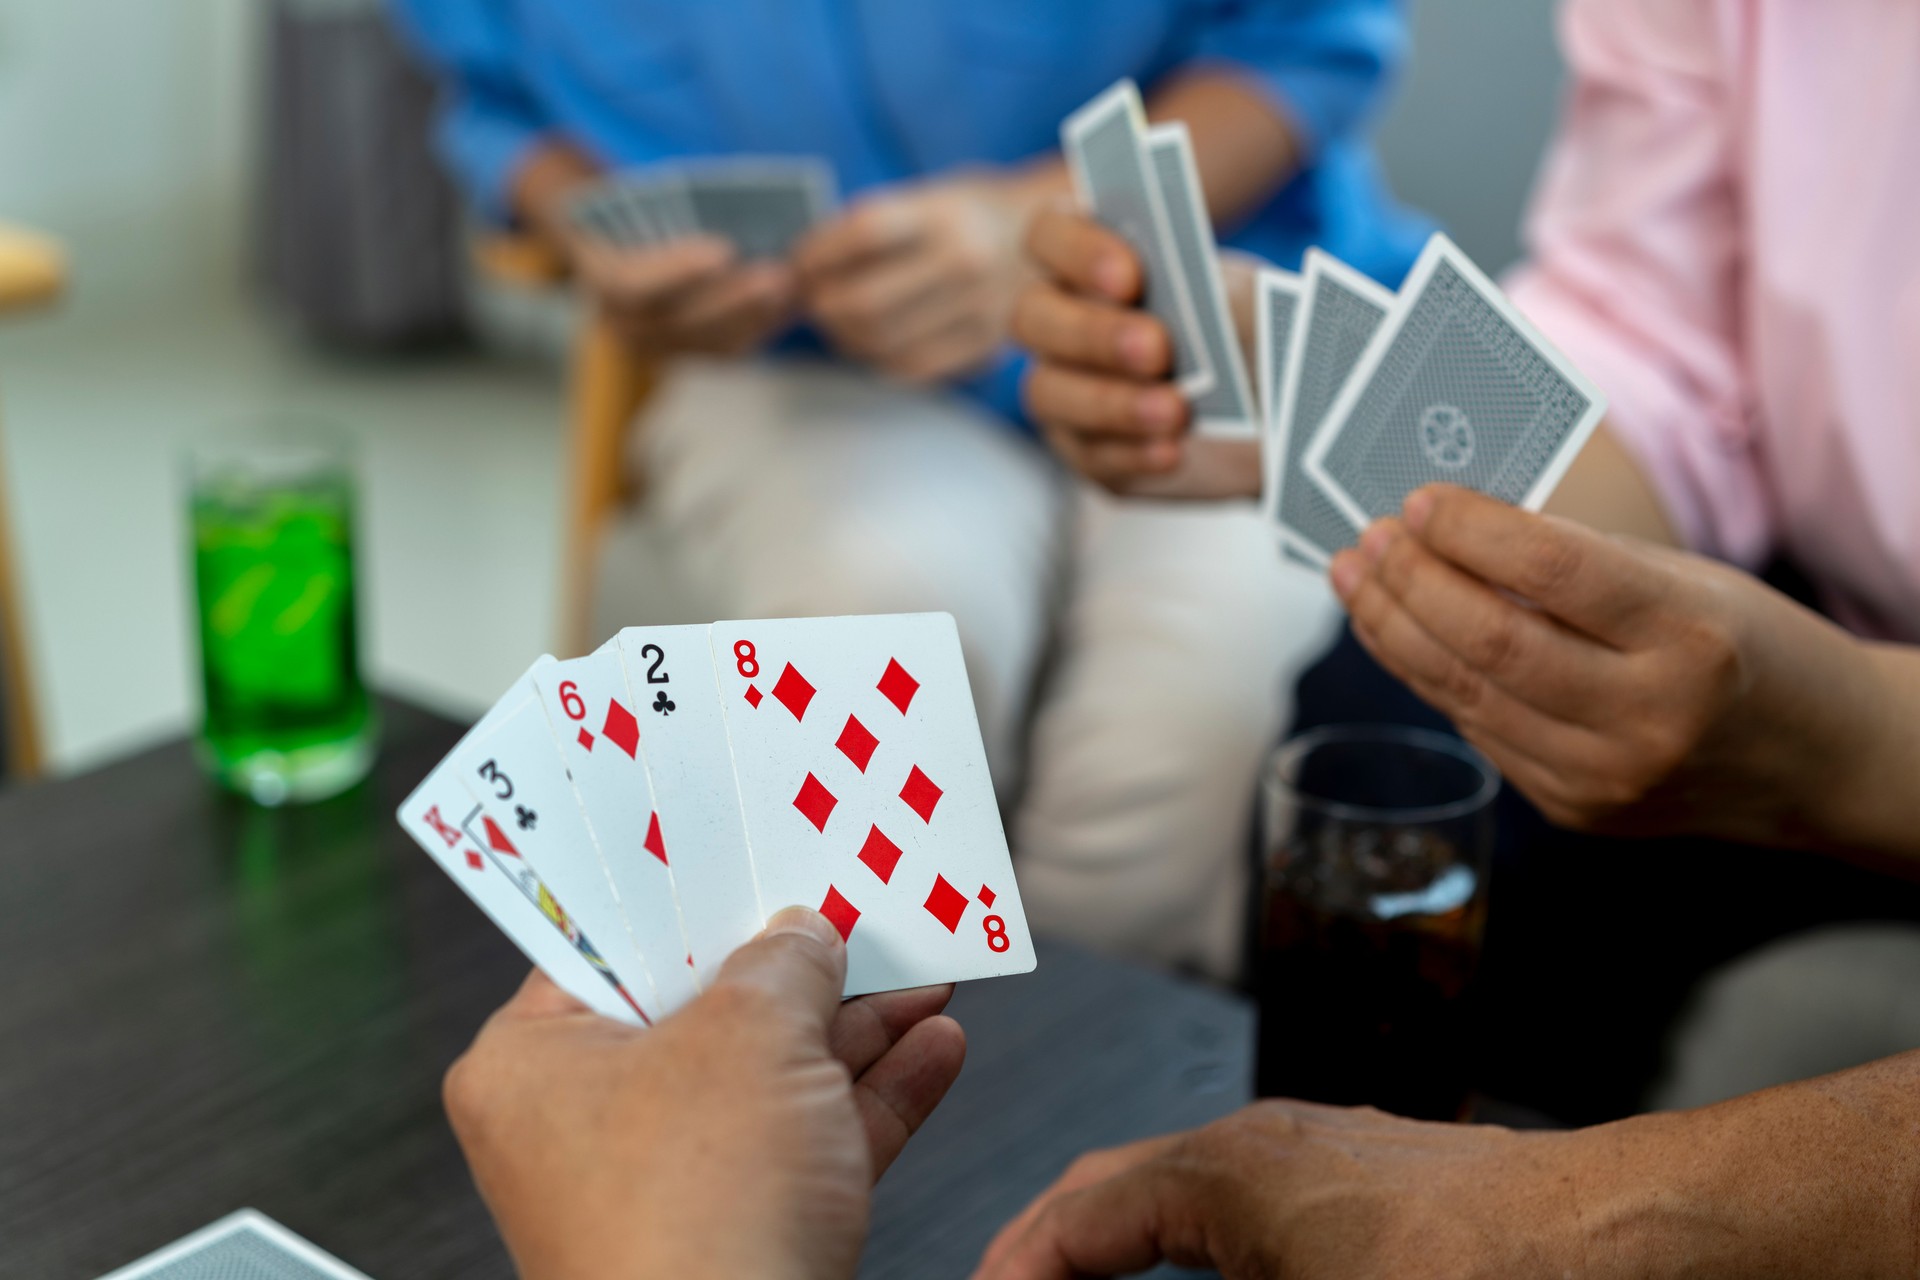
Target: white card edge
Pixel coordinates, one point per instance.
(1269, 281)
(1174, 135)
(1124, 95)
(233, 1223)
(1319, 264)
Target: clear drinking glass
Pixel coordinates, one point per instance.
(1377, 842)
(287, 715)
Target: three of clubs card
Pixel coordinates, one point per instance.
(1367, 396)
(630, 817)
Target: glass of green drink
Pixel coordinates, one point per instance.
(287, 715)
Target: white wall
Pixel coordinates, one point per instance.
(125, 124)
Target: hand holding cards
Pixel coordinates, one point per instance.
(760, 205)
(631, 817)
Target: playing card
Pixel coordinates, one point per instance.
(1227, 408)
(1457, 386)
(245, 1245)
(762, 206)
(1341, 311)
(866, 793)
(528, 809)
(437, 816)
(591, 715)
(1106, 148)
(1276, 308)
(683, 739)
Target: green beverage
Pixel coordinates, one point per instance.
(287, 716)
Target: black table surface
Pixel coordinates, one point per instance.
(205, 1005)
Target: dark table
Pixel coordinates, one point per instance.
(205, 1005)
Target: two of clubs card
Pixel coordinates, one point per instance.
(1368, 396)
(762, 205)
(630, 817)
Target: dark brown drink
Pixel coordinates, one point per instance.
(1369, 939)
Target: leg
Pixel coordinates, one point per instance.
(1183, 634)
(783, 489)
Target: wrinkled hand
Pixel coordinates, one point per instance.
(686, 296)
(920, 281)
(1283, 1189)
(740, 1137)
(1620, 686)
(1099, 383)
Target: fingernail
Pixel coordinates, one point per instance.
(803, 920)
(1345, 573)
(1137, 347)
(1160, 408)
(1110, 275)
(1418, 507)
(1375, 542)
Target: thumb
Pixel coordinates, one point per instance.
(799, 960)
(1126, 1224)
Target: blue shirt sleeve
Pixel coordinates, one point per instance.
(488, 120)
(1327, 64)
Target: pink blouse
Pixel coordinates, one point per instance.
(1727, 239)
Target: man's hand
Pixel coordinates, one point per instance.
(689, 296)
(920, 281)
(1098, 386)
(1629, 688)
(685, 296)
(1294, 1189)
(740, 1137)
(1817, 1178)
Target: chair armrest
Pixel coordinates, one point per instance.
(518, 260)
(33, 270)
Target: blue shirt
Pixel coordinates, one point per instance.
(888, 90)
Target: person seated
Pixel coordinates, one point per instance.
(834, 469)
(1744, 294)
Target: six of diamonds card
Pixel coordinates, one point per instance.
(630, 817)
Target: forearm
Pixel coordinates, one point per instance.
(1605, 490)
(1870, 807)
(1820, 1178)
(1244, 147)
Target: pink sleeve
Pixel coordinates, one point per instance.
(1636, 255)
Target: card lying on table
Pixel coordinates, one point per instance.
(667, 793)
(246, 1245)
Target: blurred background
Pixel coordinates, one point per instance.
(250, 231)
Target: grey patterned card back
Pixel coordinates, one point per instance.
(1343, 310)
(1276, 309)
(1457, 387)
(1227, 408)
(763, 217)
(1106, 150)
(241, 1246)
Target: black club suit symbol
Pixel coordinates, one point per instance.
(662, 703)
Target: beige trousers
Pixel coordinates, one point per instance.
(1132, 662)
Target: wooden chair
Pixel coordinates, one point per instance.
(606, 388)
(32, 276)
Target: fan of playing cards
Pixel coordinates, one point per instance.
(762, 204)
(630, 817)
(1363, 396)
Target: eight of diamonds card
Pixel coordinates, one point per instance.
(1459, 387)
(866, 793)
